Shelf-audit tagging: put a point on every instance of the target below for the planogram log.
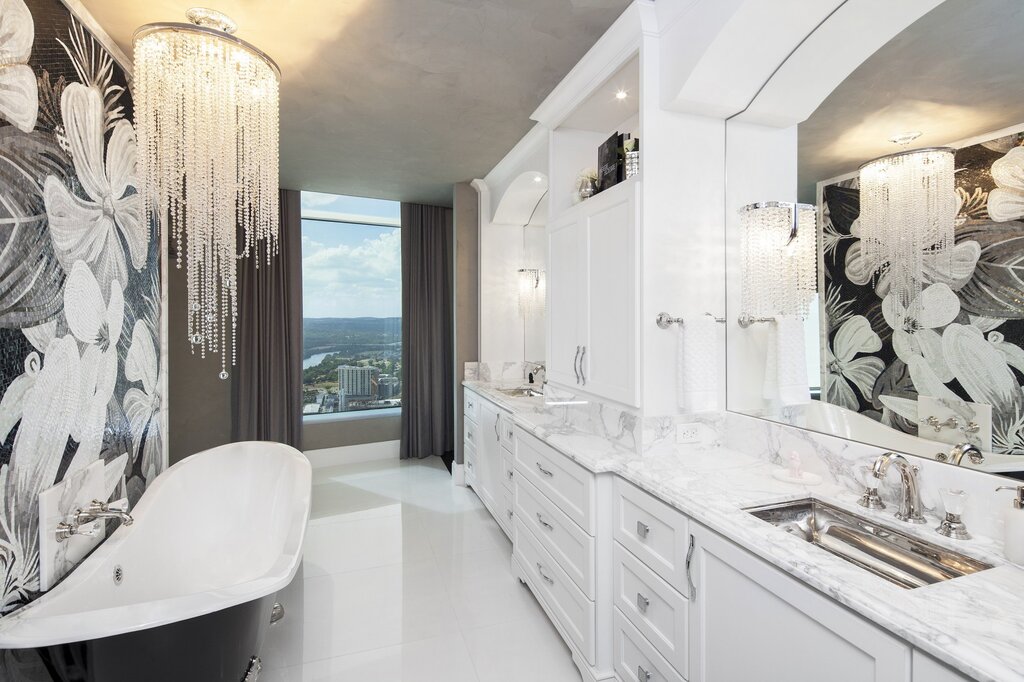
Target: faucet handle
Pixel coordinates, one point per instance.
(121, 505)
(871, 499)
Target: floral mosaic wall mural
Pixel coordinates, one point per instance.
(80, 375)
(964, 337)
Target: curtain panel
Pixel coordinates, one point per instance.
(428, 411)
(267, 385)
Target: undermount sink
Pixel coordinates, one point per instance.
(900, 558)
(522, 392)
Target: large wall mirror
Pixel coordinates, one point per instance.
(876, 260)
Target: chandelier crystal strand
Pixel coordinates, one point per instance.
(907, 215)
(779, 268)
(207, 119)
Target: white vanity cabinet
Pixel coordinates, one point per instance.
(489, 457)
(593, 290)
(561, 548)
(750, 621)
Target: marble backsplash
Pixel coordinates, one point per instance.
(837, 460)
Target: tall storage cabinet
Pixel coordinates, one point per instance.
(593, 285)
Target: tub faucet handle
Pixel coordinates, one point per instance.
(121, 505)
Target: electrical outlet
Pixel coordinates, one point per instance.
(688, 433)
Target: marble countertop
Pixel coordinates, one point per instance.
(974, 624)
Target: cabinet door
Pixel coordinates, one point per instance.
(565, 292)
(927, 669)
(489, 484)
(609, 361)
(753, 622)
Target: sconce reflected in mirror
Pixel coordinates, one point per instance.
(779, 268)
(531, 292)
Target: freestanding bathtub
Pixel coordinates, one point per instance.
(183, 594)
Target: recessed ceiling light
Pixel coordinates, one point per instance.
(621, 94)
(905, 138)
(537, 178)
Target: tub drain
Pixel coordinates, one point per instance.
(118, 574)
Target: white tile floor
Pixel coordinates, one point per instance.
(406, 579)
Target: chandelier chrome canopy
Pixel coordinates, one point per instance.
(207, 106)
(778, 244)
(907, 218)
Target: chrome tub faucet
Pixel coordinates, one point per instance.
(94, 512)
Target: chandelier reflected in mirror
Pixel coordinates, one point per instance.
(207, 107)
(908, 211)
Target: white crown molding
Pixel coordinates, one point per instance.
(616, 47)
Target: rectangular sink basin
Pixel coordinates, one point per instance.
(522, 392)
(896, 556)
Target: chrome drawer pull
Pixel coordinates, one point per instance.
(469, 464)
(575, 365)
(540, 570)
(469, 435)
(689, 575)
(540, 519)
(583, 374)
(642, 675)
(543, 470)
(509, 512)
(470, 404)
(509, 474)
(642, 529)
(642, 602)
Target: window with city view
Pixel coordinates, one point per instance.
(351, 304)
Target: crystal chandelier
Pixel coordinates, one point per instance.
(907, 215)
(206, 108)
(779, 257)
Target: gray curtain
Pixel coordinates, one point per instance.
(267, 386)
(428, 412)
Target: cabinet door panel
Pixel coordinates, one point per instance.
(609, 364)
(927, 669)
(565, 292)
(753, 622)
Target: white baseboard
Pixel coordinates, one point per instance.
(459, 474)
(348, 454)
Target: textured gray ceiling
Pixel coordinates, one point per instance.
(398, 99)
(953, 74)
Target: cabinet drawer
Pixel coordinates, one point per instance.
(506, 431)
(570, 607)
(653, 531)
(565, 541)
(659, 612)
(507, 468)
(567, 484)
(469, 453)
(471, 406)
(633, 657)
(471, 432)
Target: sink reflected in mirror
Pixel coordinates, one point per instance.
(523, 392)
(902, 559)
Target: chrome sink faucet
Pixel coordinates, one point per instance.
(94, 512)
(960, 451)
(910, 504)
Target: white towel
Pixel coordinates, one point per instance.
(697, 364)
(785, 372)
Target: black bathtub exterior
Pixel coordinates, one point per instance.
(216, 647)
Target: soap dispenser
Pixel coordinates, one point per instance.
(1013, 526)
